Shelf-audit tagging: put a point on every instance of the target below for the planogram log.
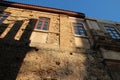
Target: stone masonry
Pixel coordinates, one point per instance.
(54, 54)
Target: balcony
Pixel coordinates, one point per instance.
(102, 39)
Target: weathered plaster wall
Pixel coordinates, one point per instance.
(109, 54)
(53, 65)
(50, 37)
(66, 34)
(46, 55)
(93, 24)
(114, 68)
(45, 61)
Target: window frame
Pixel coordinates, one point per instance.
(3, 16)
(117, 31)
(42, 25)
(83, 26)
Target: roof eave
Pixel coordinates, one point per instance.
(41, 8)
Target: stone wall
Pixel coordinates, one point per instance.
(55, 54)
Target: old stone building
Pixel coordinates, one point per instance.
(41, 43)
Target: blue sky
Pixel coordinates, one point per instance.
(103, 9)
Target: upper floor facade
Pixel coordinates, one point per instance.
(50, 28)
(46, 28)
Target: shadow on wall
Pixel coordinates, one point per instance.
(96, 68)
(12, 52)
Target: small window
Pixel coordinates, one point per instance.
(42, 23)
(0, 16)
(3, 16)
(79, 29)
(112, 32)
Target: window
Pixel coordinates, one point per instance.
(0, 16)
(42, 23)
(112, 32)
(3, 16)
(79, 29)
